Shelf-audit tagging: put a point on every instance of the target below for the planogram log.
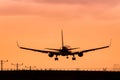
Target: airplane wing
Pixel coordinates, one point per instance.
(88, 50)
(43, 51)
(94, 49)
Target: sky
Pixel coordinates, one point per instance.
(37, 24)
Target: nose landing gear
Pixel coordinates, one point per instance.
(73, 58)
(56, 59)
(67, 57)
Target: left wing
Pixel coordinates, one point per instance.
(43, 51)
(88, 50)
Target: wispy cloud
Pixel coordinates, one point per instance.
(64, 8)
(107, 2)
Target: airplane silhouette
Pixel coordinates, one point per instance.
(64, 51)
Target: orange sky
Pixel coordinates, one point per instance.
(37, 24)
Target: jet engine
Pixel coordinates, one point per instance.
(80, 54)
(50, 54)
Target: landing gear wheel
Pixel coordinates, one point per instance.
(73, 58)
(56, 59)
(67, 57)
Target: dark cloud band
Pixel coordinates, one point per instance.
(94, 8)
(107, 2)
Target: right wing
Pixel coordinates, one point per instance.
(94, 49)
(43, 51)
(97, 48)
(88, 50)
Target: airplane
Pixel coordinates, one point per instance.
(64, 50)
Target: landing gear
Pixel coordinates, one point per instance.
(56, 59)
(73, 58)
(67, 57)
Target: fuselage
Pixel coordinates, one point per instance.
(65, 51)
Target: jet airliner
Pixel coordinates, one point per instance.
(63, 51)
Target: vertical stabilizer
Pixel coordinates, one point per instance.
(62, 38)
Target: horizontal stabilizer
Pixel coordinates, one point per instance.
(73, 48)
(53, 49)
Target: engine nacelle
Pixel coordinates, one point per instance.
(50, 54)
(80, 54)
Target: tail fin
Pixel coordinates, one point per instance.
(62, 38)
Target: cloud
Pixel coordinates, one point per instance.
(75, 2)
(106, 9)
(108, 2)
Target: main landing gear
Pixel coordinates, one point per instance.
(73, 58)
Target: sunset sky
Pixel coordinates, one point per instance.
(37, 24)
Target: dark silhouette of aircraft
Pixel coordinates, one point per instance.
(64, 51)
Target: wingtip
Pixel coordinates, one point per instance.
(110, 42)
(17, 44)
